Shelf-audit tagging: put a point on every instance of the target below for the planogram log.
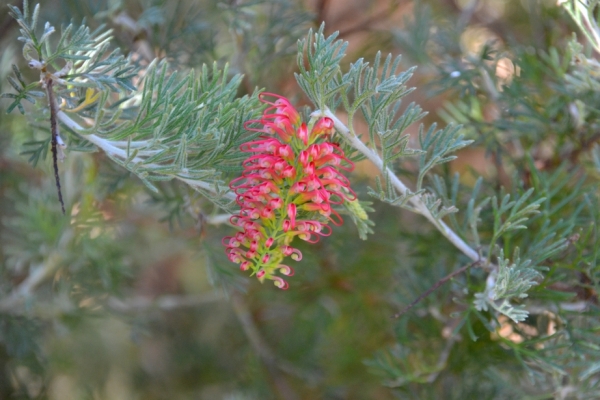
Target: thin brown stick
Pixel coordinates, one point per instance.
(434, 287)
(54, 131)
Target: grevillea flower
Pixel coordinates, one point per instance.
(290, 182)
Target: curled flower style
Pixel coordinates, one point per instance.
(290, 182)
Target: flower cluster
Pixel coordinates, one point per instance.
(289, 184)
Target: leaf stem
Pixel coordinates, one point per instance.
(416, 200)
(112, 150)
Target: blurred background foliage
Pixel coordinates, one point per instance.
(131, 297)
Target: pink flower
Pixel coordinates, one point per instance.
(290, 182)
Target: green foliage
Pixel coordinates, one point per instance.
(131, 295)
(322, 80)
(165, 128)
(505, 221)
(378, 97)
(188, 129)
(87, 51)
(24, 91)
(357, 210)
(511, 281)
(436, 148)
